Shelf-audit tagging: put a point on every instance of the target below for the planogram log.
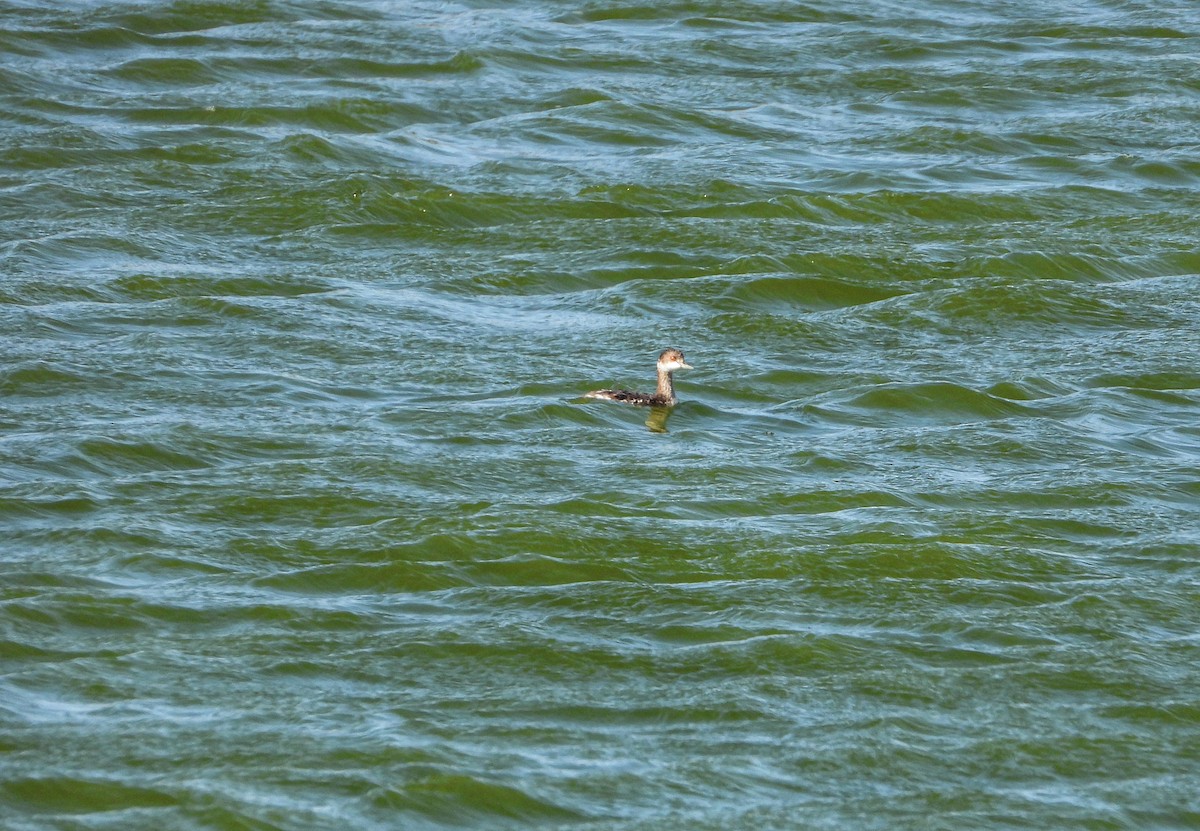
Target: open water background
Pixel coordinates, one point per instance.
(305, 526)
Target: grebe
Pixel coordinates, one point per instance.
(669, 361)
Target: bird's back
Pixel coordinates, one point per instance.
(627, 397)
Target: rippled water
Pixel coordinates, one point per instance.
(306, 525)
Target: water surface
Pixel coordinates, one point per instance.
(306, 525)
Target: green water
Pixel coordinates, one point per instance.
(304, 523)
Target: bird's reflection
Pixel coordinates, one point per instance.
(656, 420)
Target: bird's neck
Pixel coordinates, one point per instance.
(666, 385)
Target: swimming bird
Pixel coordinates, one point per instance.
(668, 362)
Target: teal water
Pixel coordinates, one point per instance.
(305, 525)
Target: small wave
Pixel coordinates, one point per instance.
(938, 401)
(227, 123)
(114, 456)
(992, 305)
(459, 63)
(1044, 268)
(56, 42)
(809, 293)
(684, 11)
(72, 795)
(453, 208)
(403, 577)
(555, 414)
(152, 287)
(456, 799)
(200, 15)
(40, 378)
(1029, 389)
(1086, 32)
(54, 508)
(74, 250)
(176, 72)
(574, 97)
(1166, 381)
(544, 570)
(179, 72)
